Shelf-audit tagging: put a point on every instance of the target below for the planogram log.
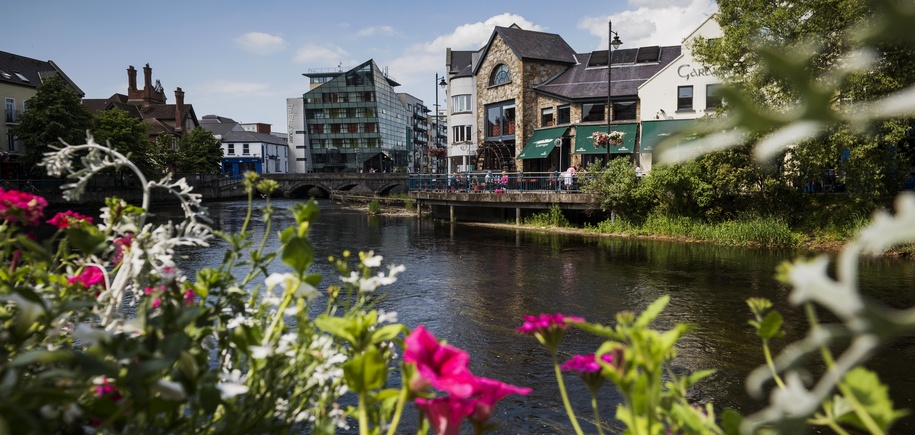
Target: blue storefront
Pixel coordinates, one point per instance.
(233, 166)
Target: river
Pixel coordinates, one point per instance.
(471, 286)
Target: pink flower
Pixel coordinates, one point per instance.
(156, 302)
(487, 393)
(189, 297)
(548, 329)
(589, 369)
(585, 363)
(68, 219)
(121, 244)
(89, 277)
(20, 207)
(446, 413)
(443, 366)
(534, 324)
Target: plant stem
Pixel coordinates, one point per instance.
(401, 400)
(363, 415)
(597, 422)
(771, 363)
(565, 396)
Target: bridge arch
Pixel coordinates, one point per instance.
(307, 190)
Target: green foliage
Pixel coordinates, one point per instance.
(374, 206)
(128, 136)
(409, 205)
(199, 152)
(615, 186)
(553, 218)
(55, 113)
(737, 232)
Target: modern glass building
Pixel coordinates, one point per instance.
(355, 122)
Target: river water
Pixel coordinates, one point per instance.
(471, 286)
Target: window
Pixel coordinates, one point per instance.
(624, 110)
(460, 133)
(10, 110)
(592, 112)
(564, 114)
(500, 120)
(713, 96)
(316, 128)
(685, 98)
(245, 149)
(460, 103)
(500, 76)
(546, 117)
(314, 114)
(231, 150)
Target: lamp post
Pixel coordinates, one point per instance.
(613, 40)
(439, 83)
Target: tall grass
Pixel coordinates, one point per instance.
(552, 218)
(740, 232)
(374, 206)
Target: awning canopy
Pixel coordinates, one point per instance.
(542, 143)
(653, 132)
(584, 144)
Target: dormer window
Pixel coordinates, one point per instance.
(500, 76)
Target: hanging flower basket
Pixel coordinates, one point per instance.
(438, 152)
(601, 139)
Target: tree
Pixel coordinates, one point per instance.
(199, 152)
(819, 35)
(55, 113)
(616, 187)
(128, 136)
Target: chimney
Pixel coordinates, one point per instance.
(147, 82)
(131, 80)
(179, 109)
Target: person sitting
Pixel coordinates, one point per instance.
(567, 179)
(488, 180)
(503, 181)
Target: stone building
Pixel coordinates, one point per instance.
(150, 105)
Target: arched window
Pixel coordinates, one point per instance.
(500, 76)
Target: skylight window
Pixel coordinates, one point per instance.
(6, 75)
(21, 77)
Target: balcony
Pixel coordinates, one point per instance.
(11, 116)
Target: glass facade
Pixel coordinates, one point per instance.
(357, 123)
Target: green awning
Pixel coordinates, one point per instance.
(584, 145)
(541, 143)
(653, 132)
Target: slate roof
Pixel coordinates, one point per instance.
(35, 71)
(159, 117)
(529, 45)
(251, 137)
(218, 125)
(583, 83)
(461, 63)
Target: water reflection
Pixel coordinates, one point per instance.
(472, 285)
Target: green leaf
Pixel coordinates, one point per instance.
(298, 254)
(41, 356)
(872, 394)
(365, 372)
(596, 329)
(730, 422)
(771, 326)
(337, 326)
(86, 240)
(386, 333)
(652, 312)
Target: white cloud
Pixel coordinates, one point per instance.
(260, 43)
(653, 22)
(377, 30)
(237, 89)
(316, 56)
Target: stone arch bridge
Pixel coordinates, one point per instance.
(324, 184)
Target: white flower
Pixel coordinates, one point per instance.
(290, 282)
(387, 317)
(232, 384)
(240, 319)
(170, 390)
(260, 352)
(89, 336)
(372, 260)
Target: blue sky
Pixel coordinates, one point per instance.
(243, 59)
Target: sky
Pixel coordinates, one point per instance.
(242, 60)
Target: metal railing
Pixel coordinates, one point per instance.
(518, 182)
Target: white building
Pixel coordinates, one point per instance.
(677, 95)
(297, 136)
(462, 112)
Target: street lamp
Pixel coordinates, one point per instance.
(439, 82)
(613, 40)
